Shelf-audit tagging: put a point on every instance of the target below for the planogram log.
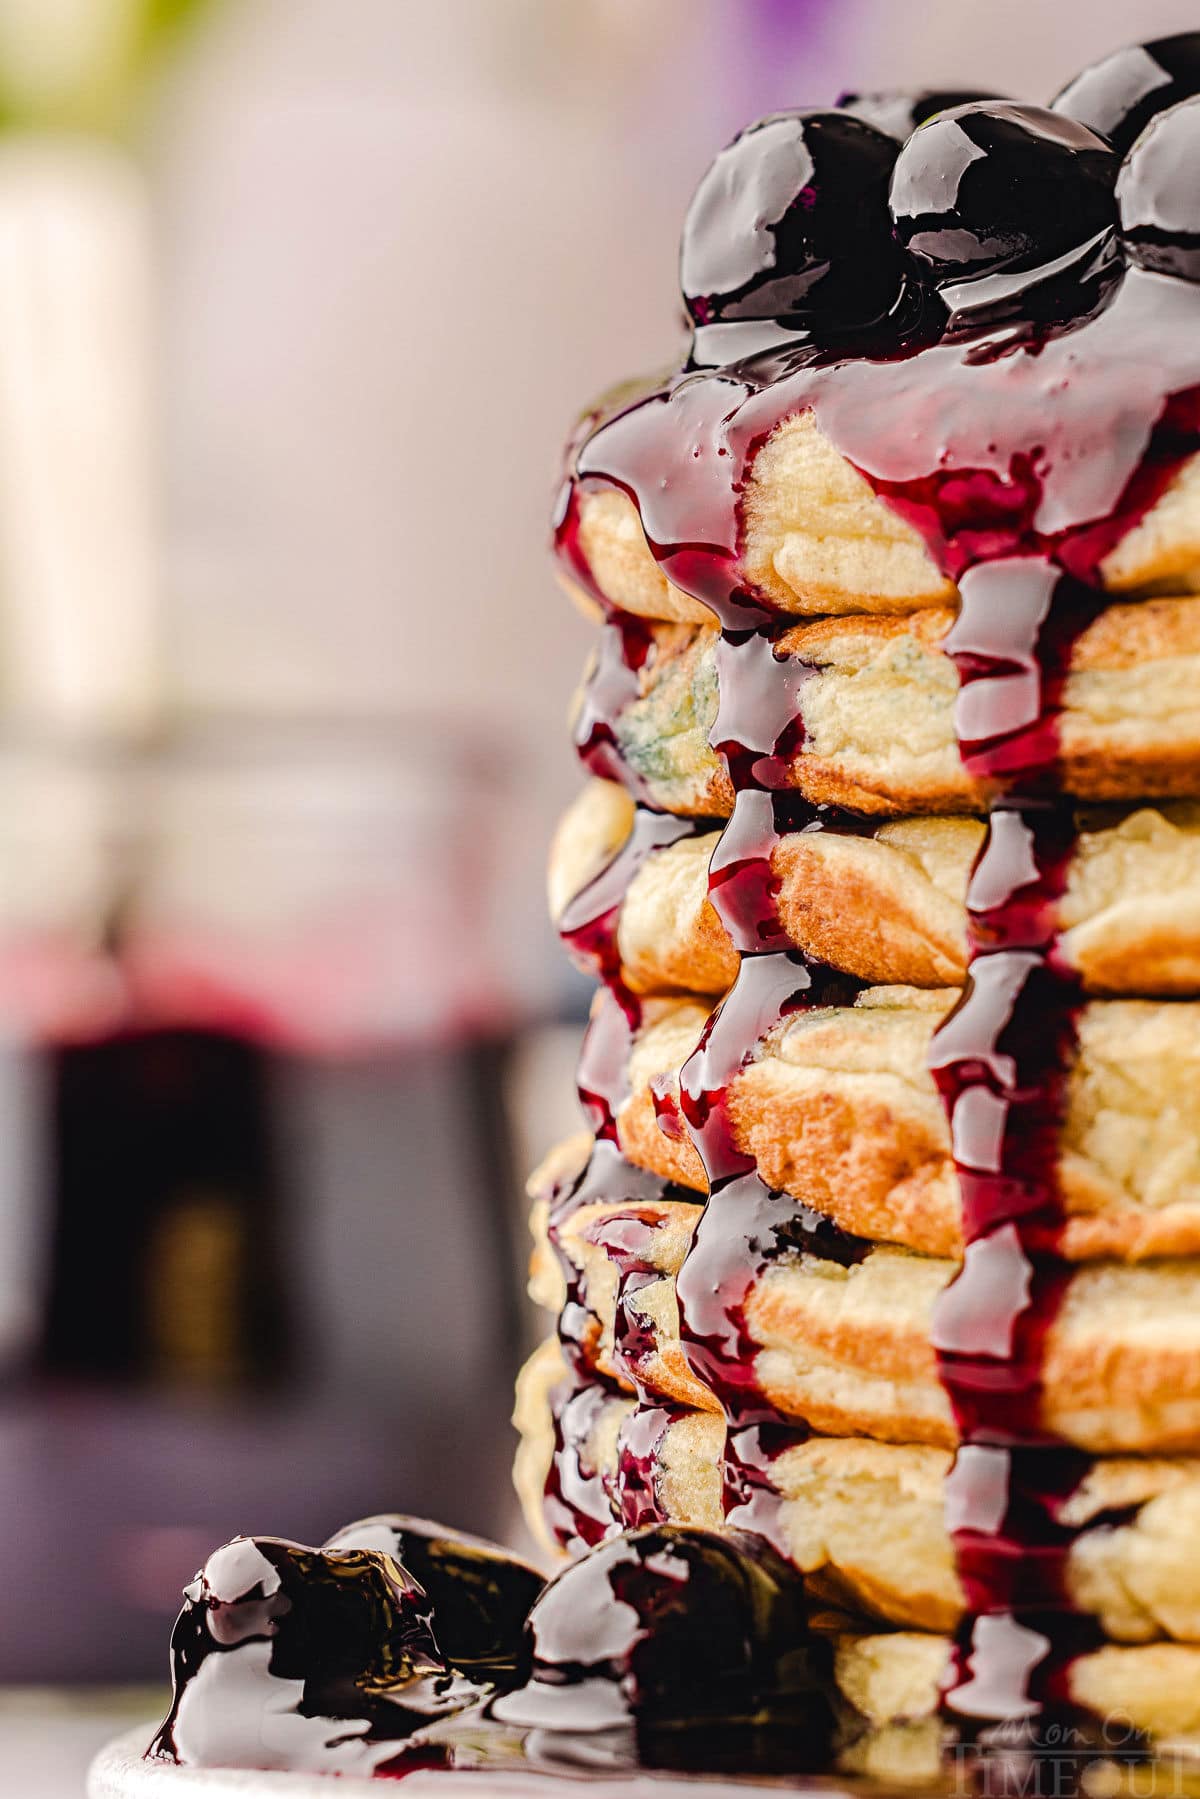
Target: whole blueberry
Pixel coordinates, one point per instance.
(678, 1637)
(1158, 194)
(899, 113)
(1119, 95)
(995, 187)
(290, 1657)
(790, 222)
(479, 1595)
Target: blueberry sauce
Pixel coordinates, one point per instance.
(742, 881)
(758, 727)
(625, 646)
(577, 1504)
(602, 1076)
(1000, 1061)
(607, 1179)
(585, 1503)
(667, 1114)
(639, 1461)
(588, 926)
(479, 1595)
(1019, 619)
(581, 1506)
(627, 1239)
(1014, 443)
(1021, 451)
(743, 886)
(744, 1225)
(751, 1495)
(339, 1662)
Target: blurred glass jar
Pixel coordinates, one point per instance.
(332, 889)
(65, 855)
(326, 889)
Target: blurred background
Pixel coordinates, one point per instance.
(298, 299)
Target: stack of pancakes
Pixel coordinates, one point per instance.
(838, 1111)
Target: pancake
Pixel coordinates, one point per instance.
(864, 1522)
(890, 906)
(846, 1349)
(877, 696)
(892, 1684)
(816, 540)
(838, 1109)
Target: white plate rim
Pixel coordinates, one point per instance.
(120, 1771)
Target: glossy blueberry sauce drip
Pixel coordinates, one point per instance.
(625, 646)
(667, 1114)
(1021, 457)
(744, 1225)
(602, 1076)
(743, 885)
(607, 1179)
(639, 1456)
(759, 727)
(1000, 1061)
(578, 1500)
(588, 926)
(751, 1496)
(584, 1503)
(1019, 619)
(1009, 444)
(627, 1239)
(581, 1506)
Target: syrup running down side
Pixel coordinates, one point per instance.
(745, 1226)
(751, 1496)
(1000, 1062)
(580, 1508)
(639, 1444)
(577, 1504)
(588, 928)
(625, 644)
